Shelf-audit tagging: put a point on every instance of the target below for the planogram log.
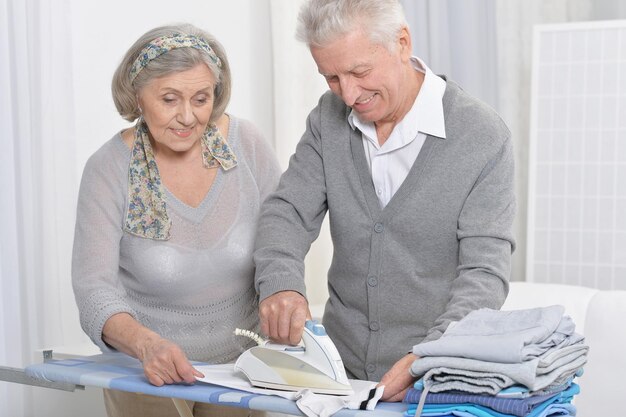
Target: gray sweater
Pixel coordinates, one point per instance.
(440, 249)
(194, 288)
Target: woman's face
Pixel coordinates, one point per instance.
(177, 108)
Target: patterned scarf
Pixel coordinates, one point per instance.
(147, 214)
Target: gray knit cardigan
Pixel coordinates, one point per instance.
(399, 275)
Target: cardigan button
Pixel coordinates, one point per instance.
(374, 326)
(378, 228)
(370, 368)
(372, 281)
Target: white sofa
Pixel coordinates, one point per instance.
(599, 316)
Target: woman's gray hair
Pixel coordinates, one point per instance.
(125, 92)
(321, 22)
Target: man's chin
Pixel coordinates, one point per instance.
(365, 116)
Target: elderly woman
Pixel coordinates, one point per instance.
(162, 264)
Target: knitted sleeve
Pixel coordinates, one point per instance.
(291, 217)
(95, 258)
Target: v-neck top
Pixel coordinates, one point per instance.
(196, 214)
(390, 163)
(194, 288)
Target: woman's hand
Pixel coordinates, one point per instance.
(164, 362)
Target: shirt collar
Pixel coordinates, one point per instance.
(426, 114)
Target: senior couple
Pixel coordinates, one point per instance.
(186, 230)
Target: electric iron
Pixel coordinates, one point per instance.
(315, 364)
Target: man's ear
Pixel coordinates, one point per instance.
(404, 43)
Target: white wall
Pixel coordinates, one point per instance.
(297, 88)
(105, 30)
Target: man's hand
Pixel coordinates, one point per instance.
(283, 315)
(398, 379)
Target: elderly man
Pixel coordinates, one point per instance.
(417, 178)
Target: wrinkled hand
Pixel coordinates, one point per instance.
(398, 379)
(165, 363)
(283, 315)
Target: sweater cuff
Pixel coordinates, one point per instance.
(434, 335)
(96, 310)
(271, 286)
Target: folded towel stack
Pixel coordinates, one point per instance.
(500, 363)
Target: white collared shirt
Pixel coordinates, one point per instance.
(390, 163)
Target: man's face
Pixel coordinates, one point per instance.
(367, 76)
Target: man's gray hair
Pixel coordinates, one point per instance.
(321, 22)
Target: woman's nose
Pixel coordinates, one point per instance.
(185, 114)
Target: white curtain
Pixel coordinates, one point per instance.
(515, 21)
(38, 187)
(297, 84)
(457, 39)
(485, 45)
(11, 336)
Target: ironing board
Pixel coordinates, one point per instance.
(121, 372)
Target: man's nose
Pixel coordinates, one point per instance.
(349, 91)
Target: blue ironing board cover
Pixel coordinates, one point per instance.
(121, 372)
